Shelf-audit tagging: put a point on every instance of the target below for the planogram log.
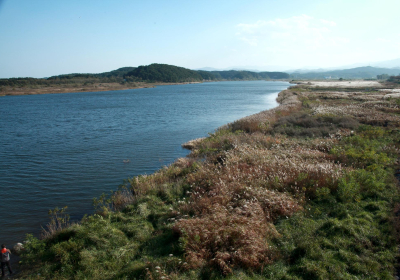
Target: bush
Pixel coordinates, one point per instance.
(226, 241)
(304, 125)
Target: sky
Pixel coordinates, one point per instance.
(43, 38)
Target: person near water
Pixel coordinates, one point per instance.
(5, 260)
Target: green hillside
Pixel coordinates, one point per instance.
(74, 78)
(249, 75)
(174, 74)
(164, 73)
(120, 72)
(150, 73)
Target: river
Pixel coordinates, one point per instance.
(65, 149)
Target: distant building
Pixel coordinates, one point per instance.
(327, 77)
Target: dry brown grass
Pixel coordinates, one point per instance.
(226, 240)
(234, 204)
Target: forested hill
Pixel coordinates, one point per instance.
(119, 73)
(164, 73)
(151, 73)
(174, 74)
(248, 75)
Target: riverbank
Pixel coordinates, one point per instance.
(30, 90)
(90, 87)
(303, 191)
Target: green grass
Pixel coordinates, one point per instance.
(341, 236)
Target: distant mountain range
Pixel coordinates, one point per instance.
(367, 70)
(393, 63)
(170, 73)
(175, 74)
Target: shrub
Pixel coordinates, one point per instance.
(59, 220)
(304, 125)
(227, 240)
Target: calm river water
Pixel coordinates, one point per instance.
(66, 149)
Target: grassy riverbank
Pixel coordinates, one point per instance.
(303, 191)
(78, 87)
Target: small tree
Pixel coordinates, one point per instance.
(59, 220)
(382, 77)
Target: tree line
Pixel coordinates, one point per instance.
(174, 74)
(151, 73)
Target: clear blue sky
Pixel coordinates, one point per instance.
(49, 37)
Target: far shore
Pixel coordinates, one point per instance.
(7, 91)
(28, 90)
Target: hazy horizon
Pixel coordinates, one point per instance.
(47, 38)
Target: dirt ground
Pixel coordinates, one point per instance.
(346, 84)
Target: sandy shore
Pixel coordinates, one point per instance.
(346, 84)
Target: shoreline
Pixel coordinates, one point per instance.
(187, 145)
(284, 98)
(288, 179)
(95, 88)
(193, 141)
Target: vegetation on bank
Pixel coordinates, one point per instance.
(113, 80)
(395, 79)
(303, 191)
(249, 75)
(77, 78)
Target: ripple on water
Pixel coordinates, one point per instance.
(65, 149)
